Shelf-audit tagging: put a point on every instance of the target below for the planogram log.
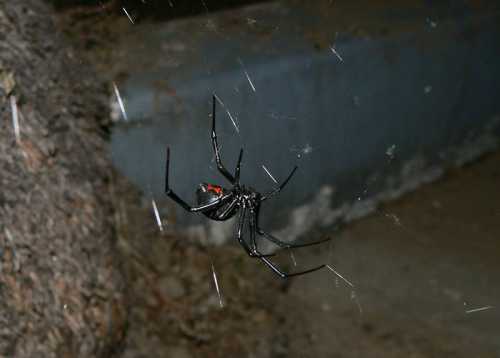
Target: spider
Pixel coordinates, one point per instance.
(219, 203)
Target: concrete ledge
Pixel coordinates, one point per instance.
(366, 113)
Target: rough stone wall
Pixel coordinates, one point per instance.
(60, 288)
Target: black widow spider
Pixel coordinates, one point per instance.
(218, 203)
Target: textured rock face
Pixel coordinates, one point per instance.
(60, 290)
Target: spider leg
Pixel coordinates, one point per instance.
(181, 202)
(252, 230)
(280, 243)
(278, 189)
(224, 215)
(238, 166)
(282, 274)
(239, 237)
(222, 169)
(269, 263)
(287, 245)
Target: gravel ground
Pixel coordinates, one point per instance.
(175, 308)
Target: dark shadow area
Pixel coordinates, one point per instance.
(157, 10)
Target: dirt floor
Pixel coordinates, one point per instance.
(418, 268)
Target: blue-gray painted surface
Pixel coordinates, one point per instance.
(428, 97)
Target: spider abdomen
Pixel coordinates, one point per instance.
(221, 213)
(209, 193)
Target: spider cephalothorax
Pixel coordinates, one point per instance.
(218, 203)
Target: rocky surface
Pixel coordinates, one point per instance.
(60, 287)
